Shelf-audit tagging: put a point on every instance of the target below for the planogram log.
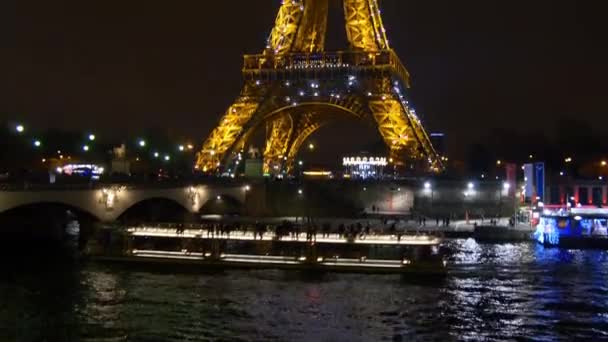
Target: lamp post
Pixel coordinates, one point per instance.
(428, 188)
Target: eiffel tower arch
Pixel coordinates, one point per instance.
(296, 87)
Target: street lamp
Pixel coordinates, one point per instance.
(91, 137)
(19, 128)
(37, 143)
(181, 148)
(141, 143)
(85, 148)
(428, 188)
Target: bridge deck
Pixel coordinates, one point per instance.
(405, 240)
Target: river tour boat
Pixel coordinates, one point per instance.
(583, 227)
(193, 245)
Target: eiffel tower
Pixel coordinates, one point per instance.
(296, 87)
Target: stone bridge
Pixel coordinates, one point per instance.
(108, 203)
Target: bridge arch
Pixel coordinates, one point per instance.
(39, 210)
(156, 209)
(223, 204)
(43, 226)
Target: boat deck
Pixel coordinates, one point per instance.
(405, 240)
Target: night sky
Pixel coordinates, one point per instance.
(117, 66)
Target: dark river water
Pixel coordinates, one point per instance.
(492, 292)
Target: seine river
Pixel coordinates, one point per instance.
(492, 292)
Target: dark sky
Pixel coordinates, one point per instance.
(118, 66)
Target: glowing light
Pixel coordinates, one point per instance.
(499, 162)
(91, 137)
(568, 160)
(181, 148)
(167, 157)
(19, 128)
(356, 161)
(37, 143)
(142, 143)
(219, 198)
(85, 148)
(470, 186)
(604, 163)
(317, 173)
(247, 188)
(311, 146)
(506, 186)
(427, 185)
(156, 154)
(300, 191)
(190, 146)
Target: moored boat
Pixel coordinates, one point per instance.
(574, 228)
(302, 251)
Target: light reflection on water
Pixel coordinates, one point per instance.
(492, 292)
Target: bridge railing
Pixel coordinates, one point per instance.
(129, 184)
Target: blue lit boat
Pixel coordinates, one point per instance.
(573, 228)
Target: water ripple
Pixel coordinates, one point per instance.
(491, 293)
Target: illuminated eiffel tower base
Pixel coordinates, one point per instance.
(296, 87)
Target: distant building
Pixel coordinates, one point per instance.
(364, 167)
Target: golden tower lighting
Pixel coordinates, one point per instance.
(296, 87)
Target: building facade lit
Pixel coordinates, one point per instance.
(364, 167)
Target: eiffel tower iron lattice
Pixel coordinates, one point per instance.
(295, 87)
